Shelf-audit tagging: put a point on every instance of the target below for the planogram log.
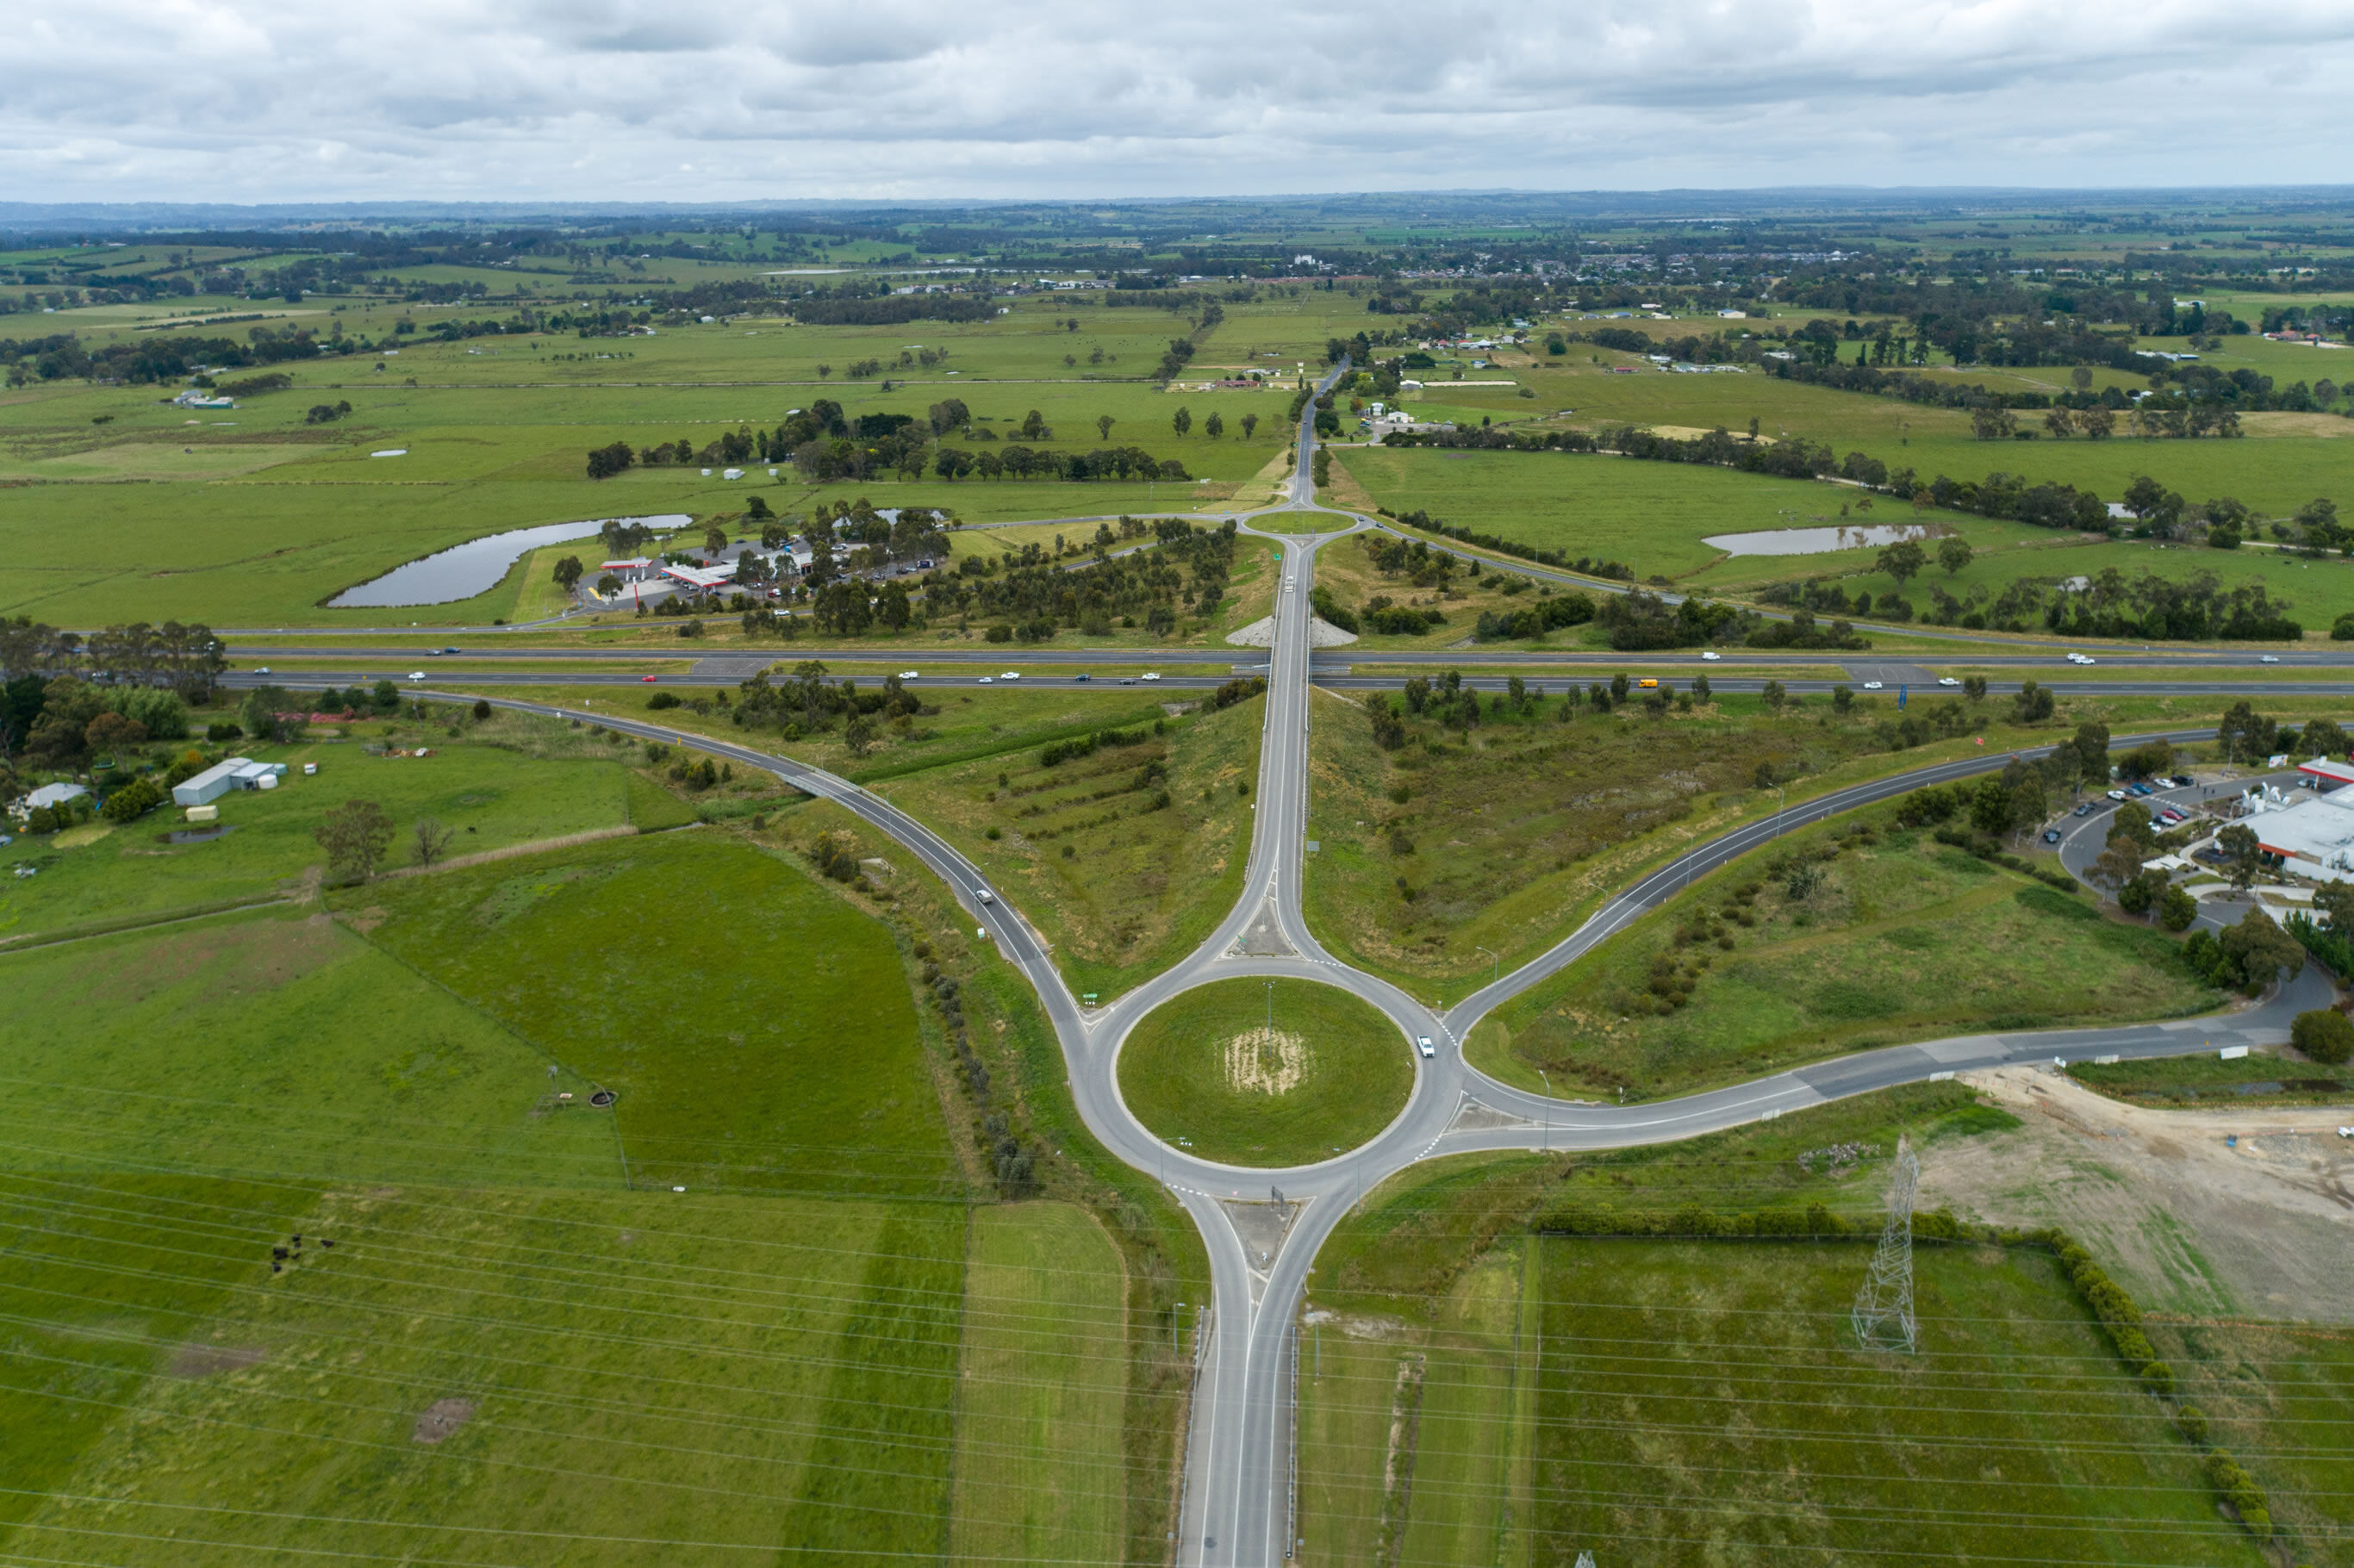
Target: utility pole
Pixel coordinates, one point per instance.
(1495, 965)
(1884, 1307)
(1547, 1146)
(1779, 802)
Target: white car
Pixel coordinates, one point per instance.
(986, 680)
(1009, 674)
(1422, 1043)
(1871, 686)
(2269, 659)
(1947, 681)
(1150, 675)
(909, 675)
(2086, 659)
(261, 669)
(1712, 658)
(417, 674)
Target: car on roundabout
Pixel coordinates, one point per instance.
(1422, 1043)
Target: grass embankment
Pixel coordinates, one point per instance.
(1473, 1391)
(1124, 857)
(1502, 833)
(2176, 1082)
(1207, 1071)
(1839, 938)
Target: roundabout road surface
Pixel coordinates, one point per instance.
(1238, 1495)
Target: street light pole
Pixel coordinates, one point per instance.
(1779, 802)
(1495, 965)
(1548, 1111)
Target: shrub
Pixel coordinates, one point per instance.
(41, 819)
(2239, 1489)
(663, 700)
(227, 730)
(135, 799)
(2323, 1035)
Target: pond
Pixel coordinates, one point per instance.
(1816, 541)
(196, 835)
(475, 566)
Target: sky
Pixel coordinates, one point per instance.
(278, 101)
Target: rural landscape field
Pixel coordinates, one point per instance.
(879, 872)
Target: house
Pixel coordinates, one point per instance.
(195, 398)
(236, 773)
(49, 795)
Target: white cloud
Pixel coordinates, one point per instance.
(269, 99)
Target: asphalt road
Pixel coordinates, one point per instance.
(1238, 1490)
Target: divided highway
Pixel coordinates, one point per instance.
(1239, 1492)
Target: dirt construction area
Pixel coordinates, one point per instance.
(2258, 1226)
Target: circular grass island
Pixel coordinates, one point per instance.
(1204, 1072)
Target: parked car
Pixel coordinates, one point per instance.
(2086, 810)
(2116, 794)
(2182, 781)
(2138, 790)
(2050, 835)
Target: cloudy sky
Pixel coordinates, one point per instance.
(692, 100)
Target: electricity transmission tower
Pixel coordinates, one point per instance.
(1884, 1307)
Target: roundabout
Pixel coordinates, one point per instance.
(1193, 1076)
(1266, 1073)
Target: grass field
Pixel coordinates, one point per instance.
(491, 796)
(1702, 1398)
(584, 954)
(1204, 1072)
(808, 1351)
(1898, 939)
(1475, 1391)
(1655, 517)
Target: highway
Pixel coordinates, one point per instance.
(1238, 1495)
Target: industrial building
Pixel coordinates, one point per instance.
(236, 773)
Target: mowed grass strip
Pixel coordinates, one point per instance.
(1703, 1402)
(758, 1030)
(1039, 1470)
(1205, 1070)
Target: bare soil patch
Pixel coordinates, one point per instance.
(2262, 1225)
(195, 1361)
(445, 1416)
(1265, 1062)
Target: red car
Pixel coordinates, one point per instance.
(648, 680)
